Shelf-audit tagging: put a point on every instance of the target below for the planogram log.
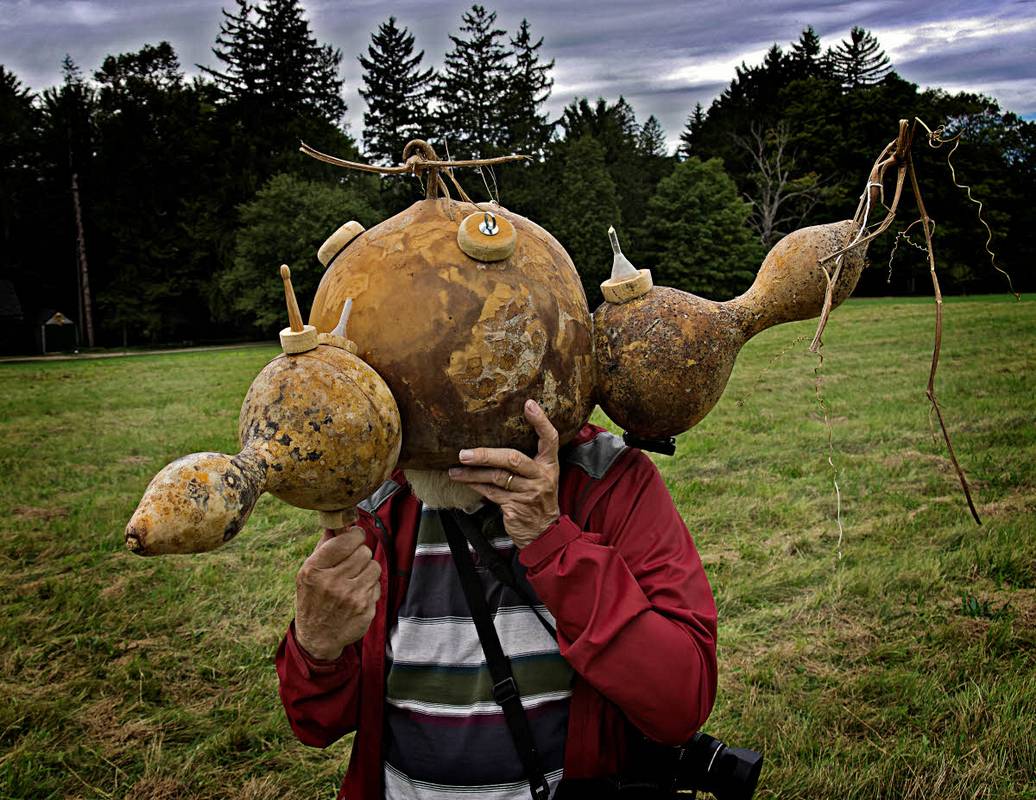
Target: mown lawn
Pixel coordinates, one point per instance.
(900, 663)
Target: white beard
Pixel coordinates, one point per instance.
(436, 489)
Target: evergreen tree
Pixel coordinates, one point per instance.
(151, 286)
(275, 66)
(584, 205)
(526, 128)
(806, 59)
(237, 48)
(859, 60)
(651, 139)
(277, 85)
(691, 131)
(396, 91)
(696, 235)
(472, 85)
(634, 172)
(18, 145)
(299, 76)
(67, 148)
(609, 124)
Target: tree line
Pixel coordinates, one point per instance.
(190, 191)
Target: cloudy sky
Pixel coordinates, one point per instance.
(663, 56)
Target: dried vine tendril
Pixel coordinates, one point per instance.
(898, 154)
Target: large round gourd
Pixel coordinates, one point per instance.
(463, 343)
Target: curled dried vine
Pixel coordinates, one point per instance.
(936, 140)
(899, 155)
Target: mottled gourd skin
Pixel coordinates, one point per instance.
(663, 359)
(319, 430)
(195, 504)
(462, 343)
(326, 426)
(790, 285)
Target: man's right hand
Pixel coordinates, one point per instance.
(336, 592)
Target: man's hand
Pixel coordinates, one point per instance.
(526, 489)
(336, 591)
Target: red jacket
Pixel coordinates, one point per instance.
(619, 572)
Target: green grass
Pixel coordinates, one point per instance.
(905, 668)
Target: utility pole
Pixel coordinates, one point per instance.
(84, 272)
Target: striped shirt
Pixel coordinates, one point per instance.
(446, 736)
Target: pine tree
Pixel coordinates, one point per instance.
(472, 85)
(691, 131)
(150, 129)
(859, 60)
(236, 47)
(633, 172)
(299, 76)
(324, 86)
(806, 60)
(526, 128)
(614, 126)
(19, 164)
(70, 139)
(651, 139)
(274, 65)
(396, 90)
(695, 236)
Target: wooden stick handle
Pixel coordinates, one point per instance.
(294, 315)
(335, 520)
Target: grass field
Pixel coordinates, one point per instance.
(904, 668)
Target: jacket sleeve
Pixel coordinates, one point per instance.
(635, 613)
(320, 698)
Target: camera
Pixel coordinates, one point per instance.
(705, 764)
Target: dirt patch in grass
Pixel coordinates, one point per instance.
(116, 588)
(257, 789)
(103, 723)
(37, 513)
(157, 789)
(1017, 502)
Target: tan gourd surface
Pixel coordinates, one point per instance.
(790, 284)
(327, 426)
(462, 343)
(195, 504)
(663, 359)
(319, 430)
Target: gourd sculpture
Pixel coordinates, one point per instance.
(459, 313)
(318, 428)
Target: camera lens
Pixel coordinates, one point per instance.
(728, 773)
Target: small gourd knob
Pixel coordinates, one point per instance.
(297, 337)
(486, 236)
(627, 282)
(338, 241)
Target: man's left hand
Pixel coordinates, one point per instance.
(526, 489)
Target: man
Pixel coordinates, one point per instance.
(383, 643)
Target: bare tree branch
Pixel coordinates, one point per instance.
(780, 201)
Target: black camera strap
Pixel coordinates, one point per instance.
(501, 570)
(505, 690)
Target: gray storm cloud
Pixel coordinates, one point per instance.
(662, 56)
